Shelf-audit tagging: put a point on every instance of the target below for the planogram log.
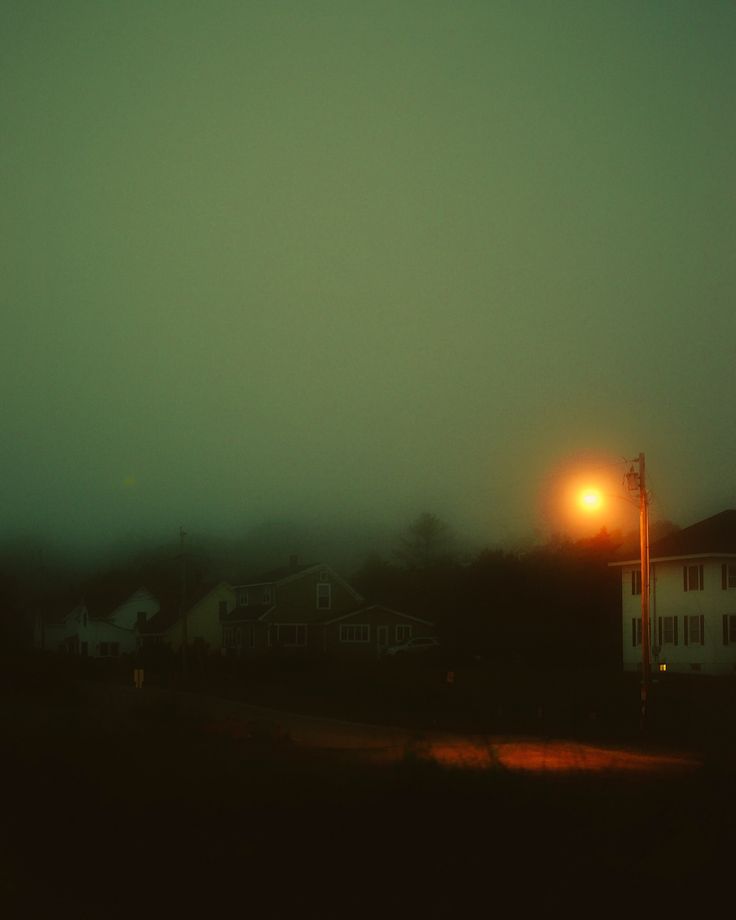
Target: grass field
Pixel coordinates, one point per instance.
(142, 811)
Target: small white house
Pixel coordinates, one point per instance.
(692, 601)
(104, 631)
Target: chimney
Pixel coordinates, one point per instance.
(293, 562)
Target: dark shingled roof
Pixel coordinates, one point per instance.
(273, 575)
(246, 614)
(716, 534)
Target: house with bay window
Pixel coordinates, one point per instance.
(311, 610)
(692, 600)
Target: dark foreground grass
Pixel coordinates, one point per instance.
(143, 812)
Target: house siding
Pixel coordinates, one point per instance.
(669, 599)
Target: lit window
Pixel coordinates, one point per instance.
(663, 667)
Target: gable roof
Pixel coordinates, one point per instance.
(286, 574)
(169, 613)
(372, 607)
(715, 535)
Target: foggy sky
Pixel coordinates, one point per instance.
(350, 261)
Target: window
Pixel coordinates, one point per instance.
(353, 633)
(323, 576)
(403, 632)
(237, 637)
(242, 598)
(729, 628)
(267, 595)
(695, 630)
(141, 618)
(227, 635)
(636, 581)
(636, 630)
(667, 627)
(291, 634)
(324, 596)
(728, 575)
(692, 577)
(222, 608)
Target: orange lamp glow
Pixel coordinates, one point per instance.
(591, 499)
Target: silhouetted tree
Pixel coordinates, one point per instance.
(427, 541)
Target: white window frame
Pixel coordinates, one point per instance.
(668, 630)
(301, 635)
(355, 633)
(693, 577)
(403, 632)
(324, 592)
(694, 629)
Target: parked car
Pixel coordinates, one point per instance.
(417, 646)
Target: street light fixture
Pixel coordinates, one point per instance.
(591, 500)
(636, 482)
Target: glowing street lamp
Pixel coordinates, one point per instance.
(591, 499)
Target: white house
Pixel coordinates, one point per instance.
(105, 629)
(692, 601)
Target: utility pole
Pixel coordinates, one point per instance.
(183, 601)
(637, 481)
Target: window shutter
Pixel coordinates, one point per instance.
(674, 624)
(724, 576)
(684, 578)
(685, 625)
(700, 573)
(725, 629)
(633, 630)
(702, 629)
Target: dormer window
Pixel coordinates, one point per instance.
(268, 595)
(324, 596)
(242, 598)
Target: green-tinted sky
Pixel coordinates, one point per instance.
(362, 258)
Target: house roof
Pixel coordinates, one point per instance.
(374, 608)
(246, 614)
(274, 575)
(169, 612)
(715, 535)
